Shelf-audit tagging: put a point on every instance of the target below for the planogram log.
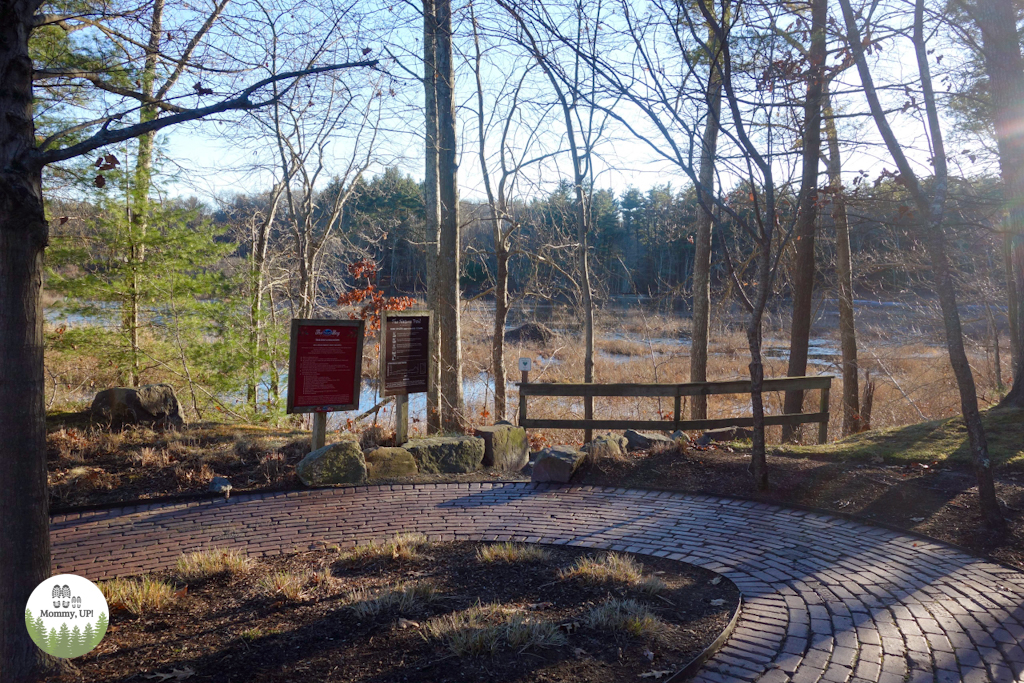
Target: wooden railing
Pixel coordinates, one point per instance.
(677, 392)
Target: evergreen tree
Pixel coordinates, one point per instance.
(88, 638)
(63, 648)
(76, 645)
(101, 629)
(33, 629)
(51, 641)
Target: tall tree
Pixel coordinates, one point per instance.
(929, 218)
(807, 218)
(24, 533)
(997, 20)
(432, 207)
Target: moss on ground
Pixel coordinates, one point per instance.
(942, 441)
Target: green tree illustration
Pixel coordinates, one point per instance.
(39, 638)
(41, 629)
(51, 642)
(101, 629)
(88, 638)
(77, 644)
(63, 648)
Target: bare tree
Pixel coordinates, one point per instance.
(929, 218)
(23, 238)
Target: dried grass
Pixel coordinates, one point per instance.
(487, 629)
(626, 615)
(613, 568)
(403, 599)
(402, 547)
(289, 585)
(137, 596)
(511, 553)
(204, 564)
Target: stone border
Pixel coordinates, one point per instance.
(691, 669)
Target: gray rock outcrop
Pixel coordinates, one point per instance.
(637, 441)
(447, 454)
(506, 447)
(333, 465)
(390, 463)
(556, 464)
(150, 404)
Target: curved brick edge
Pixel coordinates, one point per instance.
(691, 669)
(825, 599)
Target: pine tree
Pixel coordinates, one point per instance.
(101, 629)
(77, 645)
(63, 648)
(33, 629)
(51, 641)
(88, 638)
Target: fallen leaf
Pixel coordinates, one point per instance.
(539, 605)
(715, 581)
(407, 623)
(718, 602)
(649, 655)
(917, 519)
(181, 593)
(580, 652)
(656, 675)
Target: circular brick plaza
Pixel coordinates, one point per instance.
(825, 599)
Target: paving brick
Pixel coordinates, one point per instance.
(825, 599)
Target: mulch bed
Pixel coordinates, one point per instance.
(229, 628)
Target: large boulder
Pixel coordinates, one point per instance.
(641, 441)
(447, 454)
(724, 434)
(606, 447)
(556, 464)
(529, 333)
(150, 404)
(333, 465)
(505, 447)
(390, 463)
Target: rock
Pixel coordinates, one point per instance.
(679, 434)
(150, 404)
(637, 441)
(556, 464)
(506, 447)
(447, 454)
(529, 333)
(220, 485)
(337, 463)
(606, 447)
(372, 437)
(724, 434)
(390, 463)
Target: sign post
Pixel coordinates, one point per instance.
(404, 361)
(324, 370)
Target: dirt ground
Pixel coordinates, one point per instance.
(239, 626)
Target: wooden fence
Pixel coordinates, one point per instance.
(677, 392)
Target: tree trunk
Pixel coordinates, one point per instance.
(431, 208)
(930, 214)
(844, 271)
(701, 326)
(758, 459)
(24, 510)
(807, 218)
(449, 247)
(1005, 68)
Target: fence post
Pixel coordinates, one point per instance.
(522, 398)
(677, 414)
(823, 408)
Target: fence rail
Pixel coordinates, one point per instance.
(677, 392)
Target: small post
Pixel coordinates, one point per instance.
(823, 408)
(401, 419)
(588, 414)
(319, 430)
(525, 365)
(677, 412)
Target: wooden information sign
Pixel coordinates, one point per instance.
(404, 360)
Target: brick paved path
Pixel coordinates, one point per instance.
(824, 598)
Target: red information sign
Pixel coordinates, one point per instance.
(325, 367)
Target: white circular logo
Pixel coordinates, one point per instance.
(66, 615)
